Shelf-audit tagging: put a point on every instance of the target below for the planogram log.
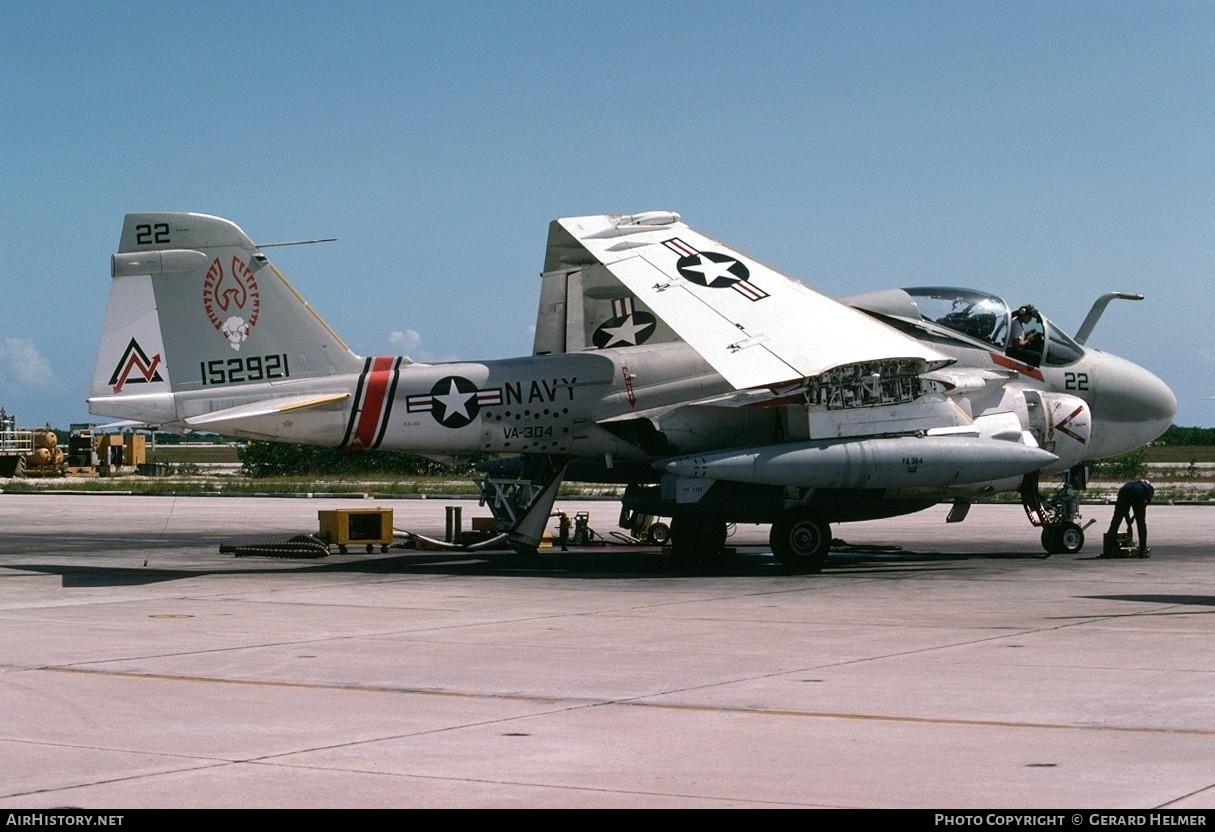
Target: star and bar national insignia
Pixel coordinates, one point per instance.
(627, 327)
(714, 270)
(454, 401)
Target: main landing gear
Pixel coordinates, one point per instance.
(521, 504)
(693, 539)
(800, 540)
(1057, 515)
(646, 528)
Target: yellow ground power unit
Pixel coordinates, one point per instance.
(345, 527)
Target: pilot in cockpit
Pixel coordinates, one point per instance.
(1027, 336)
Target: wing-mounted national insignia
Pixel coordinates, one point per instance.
(627, 327)
(714, 270)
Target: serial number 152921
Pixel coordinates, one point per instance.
(244, 368)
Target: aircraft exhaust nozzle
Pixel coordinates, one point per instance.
(887, 462)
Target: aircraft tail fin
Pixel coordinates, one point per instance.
(194, 305)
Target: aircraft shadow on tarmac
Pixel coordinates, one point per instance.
(1171, 600)
(617, 563)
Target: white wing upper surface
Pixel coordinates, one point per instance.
(754, 325)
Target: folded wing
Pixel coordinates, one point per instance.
(753, 324)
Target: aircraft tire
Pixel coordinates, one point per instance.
(658, 534)
(1050, 541)
(801, 541)
(1071, 538)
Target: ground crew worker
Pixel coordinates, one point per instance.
(1135, 494)
(563, 531)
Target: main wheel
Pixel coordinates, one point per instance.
(801, 541)
(659, 534)
(1050, 540)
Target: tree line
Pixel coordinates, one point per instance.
(1177, 435)
(276, 459)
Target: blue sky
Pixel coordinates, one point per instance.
(1044, 151)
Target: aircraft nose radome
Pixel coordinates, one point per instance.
(1135, 393)
(1131, 408)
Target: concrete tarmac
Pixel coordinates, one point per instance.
(928, 666)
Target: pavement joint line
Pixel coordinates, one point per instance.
(1170, 803)
(1093, 619)
(83, 666)
(921, 720)
(277, 761)
(632, 702)
(110, 780)
(266, 763)
(930, 649)
(209, 760)
(276, 683)
(484, 781)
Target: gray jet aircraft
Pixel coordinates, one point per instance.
(716, 388)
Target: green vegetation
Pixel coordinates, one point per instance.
(1127, 466)
(1175, 436)
(209, 454)
(1181, 454)
(272, 459)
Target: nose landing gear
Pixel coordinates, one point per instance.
(1057, 515)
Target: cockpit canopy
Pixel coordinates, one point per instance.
(978, 316)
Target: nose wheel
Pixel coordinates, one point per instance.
(1056, 515)
(1067, 539)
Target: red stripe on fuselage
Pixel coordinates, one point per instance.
(378, 379)
(1013, 364)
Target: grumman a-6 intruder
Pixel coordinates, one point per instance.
(716, 388)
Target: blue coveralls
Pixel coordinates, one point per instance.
(1134, 495)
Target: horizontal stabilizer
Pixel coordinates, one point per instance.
(269, 407)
